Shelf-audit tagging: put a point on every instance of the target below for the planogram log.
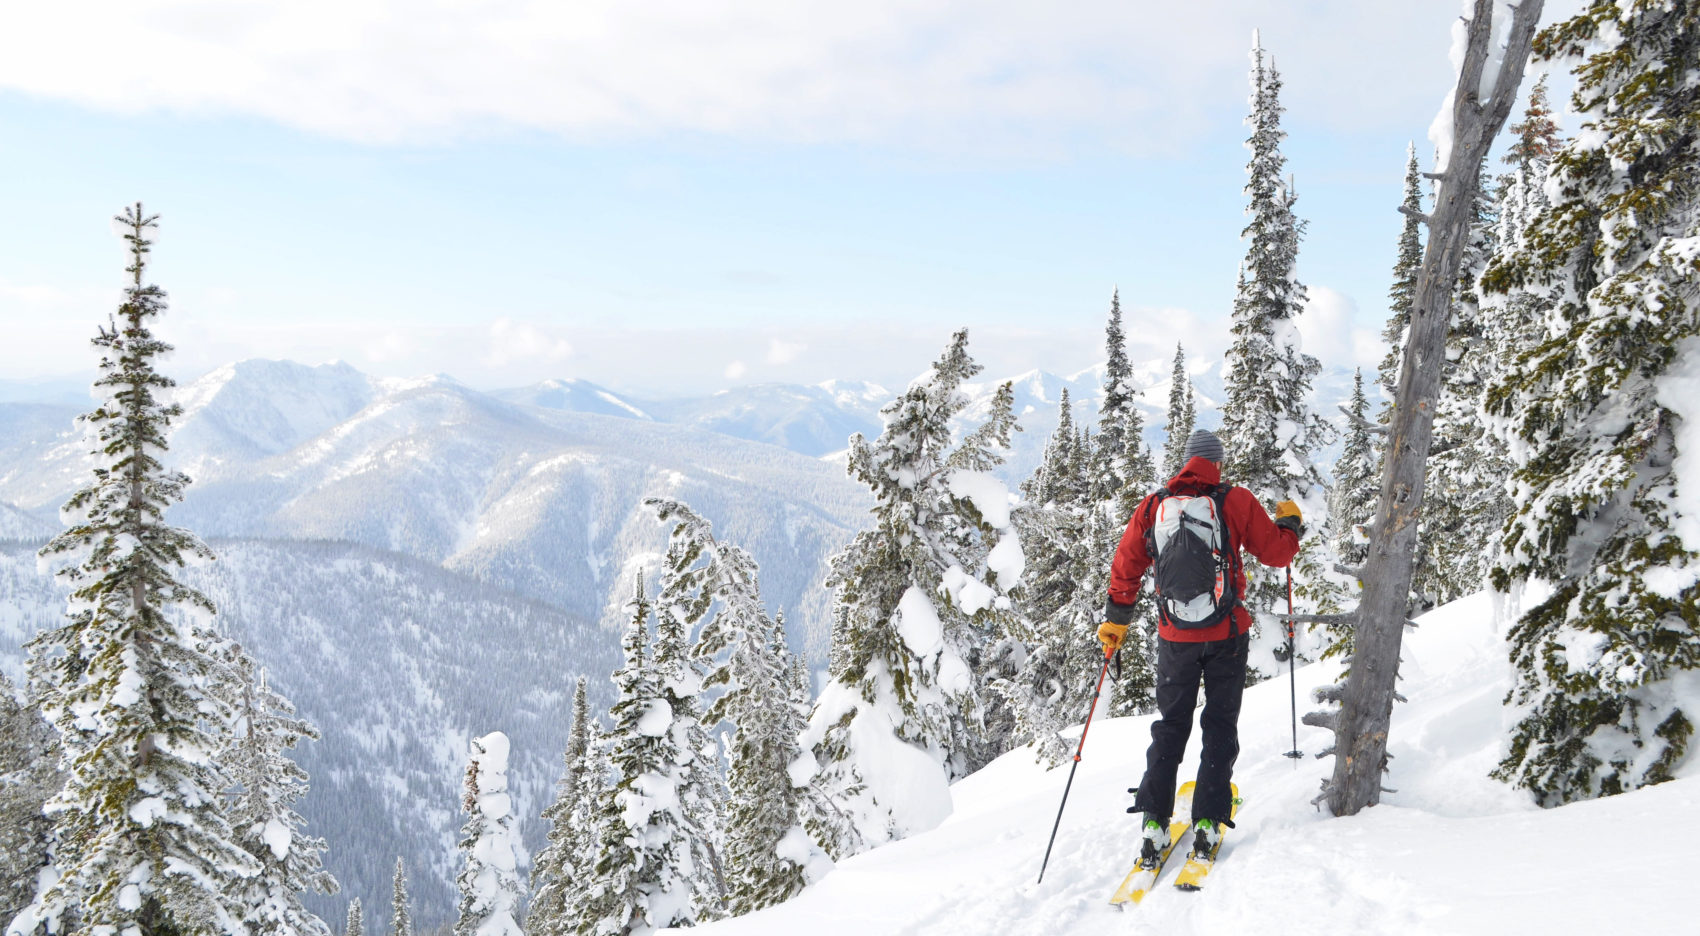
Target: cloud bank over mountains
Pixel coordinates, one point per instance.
(933, 74)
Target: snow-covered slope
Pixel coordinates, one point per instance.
(15, 524)
(1451, 852)
(576, 396)
(813, 420)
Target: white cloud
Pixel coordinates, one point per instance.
(969, 74)
(736, 370)
(512, 342)
(784, 352)
(1329, 333)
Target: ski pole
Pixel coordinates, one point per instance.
(1070, 785)
(1292, 662)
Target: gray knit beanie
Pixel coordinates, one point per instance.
(1204, 443)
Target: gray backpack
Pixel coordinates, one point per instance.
(1192, 558)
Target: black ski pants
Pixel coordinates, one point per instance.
(1220, 665)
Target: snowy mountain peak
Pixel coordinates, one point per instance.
(854, 393)
(262, 407)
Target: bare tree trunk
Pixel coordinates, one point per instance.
(1366, 700)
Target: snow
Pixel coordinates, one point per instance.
(988, 494)
(1395, 868)
(493, 884)
(901, 781)
(1007, 560)
(656, 719)
(1582, 649)
(1679, 389)
(966, 592)
(277, 837)
(1440, 131)
(918, 623)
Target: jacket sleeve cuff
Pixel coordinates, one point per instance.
(1117, 613)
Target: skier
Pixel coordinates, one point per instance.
(1202, 628)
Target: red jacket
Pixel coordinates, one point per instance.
(1249, 527)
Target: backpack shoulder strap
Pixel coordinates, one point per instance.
(1156, 497)
(1231, 556)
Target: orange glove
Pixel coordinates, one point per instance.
(1287, 515)
(1111, 634)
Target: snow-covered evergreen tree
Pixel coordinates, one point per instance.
(561, 865)
(142, 841)
(584, 832)
(355, 924)
(1356, 486)
(401, 911)
(1125, 472)
(1183, 417)
(923, 589)
(698, 786)
(1407, 263)
(1537, 134)
(1352, 500)
(643, 877)
(1059, 610)
(489, 884)
(1268, 429)
(29, 777)
(1464, 504)
(267, 784)
(767, 849)
(1598, 420)
(1120, 473)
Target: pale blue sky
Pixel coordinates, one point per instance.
(752, 195)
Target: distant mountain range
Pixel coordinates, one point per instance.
(543, 502)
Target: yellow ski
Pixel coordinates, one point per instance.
(1192, 874)
(1139, 881)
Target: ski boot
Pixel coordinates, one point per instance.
(1205, 837)
(1154, 842)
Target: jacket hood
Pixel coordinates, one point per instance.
(1198, 473)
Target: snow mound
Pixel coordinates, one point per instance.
(1451, 852)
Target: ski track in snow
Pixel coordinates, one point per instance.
(1452, 852)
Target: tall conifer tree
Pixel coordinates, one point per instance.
(643, 878)
(401, 911)
(130, 679)
(767, 849)
(1464, 503)
(356, 923)
(1407, 263)
(268, 784)
(1121, 473)
(489, 884)
(1125, 471)
(697, 782)
(1268, 429)
(1182, 416)
(1052, 521)
(1591, 406)
(561, 865)
(1352, 500)
(924, 592)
